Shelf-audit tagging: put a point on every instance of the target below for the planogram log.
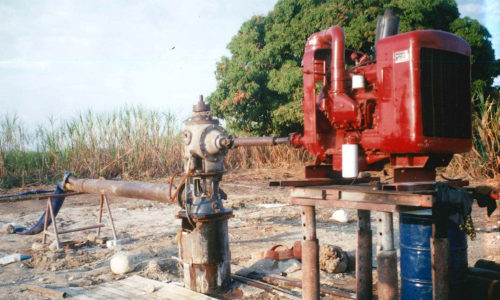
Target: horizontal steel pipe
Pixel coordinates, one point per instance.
(260, 141)
(137, 190)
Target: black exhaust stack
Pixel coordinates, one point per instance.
(387, 25)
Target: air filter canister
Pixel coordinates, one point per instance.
(350, 160)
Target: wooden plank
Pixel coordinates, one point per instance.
(440, 273)
(90, 295)
(166, 290)
(98, 291)
(381, 197)
(352, 204)
(119, 289)
(308, 193)
(134, 288)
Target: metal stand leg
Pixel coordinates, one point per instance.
(310, 255)
(99, 218)
(439, 259)
(387, 263)
(110, 217)
(56, 233)
(364, 257)
(46, 221)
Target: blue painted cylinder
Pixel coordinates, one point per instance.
(415, 230)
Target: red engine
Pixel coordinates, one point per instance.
(410, 107)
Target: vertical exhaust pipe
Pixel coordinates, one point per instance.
(387, 25)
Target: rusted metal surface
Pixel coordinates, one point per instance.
(46, 291)
(364, 281)
(310, 254)
(110, 217)
(137, 190)
(260, 141)
(81, 228)
(385, 236)
(387, 264)
(308, 218)
(310, 270)
(387, 285)
(440, 273)
(321, 171)
(294, 283)
(57, 232)
(204, 251)
(277, 290)
(421, 185)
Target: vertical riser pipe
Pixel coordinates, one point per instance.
(206, 260)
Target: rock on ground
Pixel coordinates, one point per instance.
(121, 263)
(332, 259)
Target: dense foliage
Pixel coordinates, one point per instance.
(259, 88)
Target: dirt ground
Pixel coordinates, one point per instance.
(263, 218)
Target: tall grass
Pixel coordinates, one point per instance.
(484, 158)
(131, 142)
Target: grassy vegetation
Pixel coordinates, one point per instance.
(484, 158)
(135, 143)
(131, 142)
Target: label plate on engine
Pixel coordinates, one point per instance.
(401, 56)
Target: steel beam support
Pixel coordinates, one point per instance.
(387, 263)
(364, 257)
(310, 254)
(440, 253)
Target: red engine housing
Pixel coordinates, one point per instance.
(414, 109)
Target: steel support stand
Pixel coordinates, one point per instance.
(440, 257)
(310, 254)
(56, 233)
(364, 257)
(110, 217)
(99, 217)
(387, 260)
(46, 221)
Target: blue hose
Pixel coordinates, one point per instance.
(56, 206)
(26, 193)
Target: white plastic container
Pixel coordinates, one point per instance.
(12, 258)
(358, 81)
(350, 160)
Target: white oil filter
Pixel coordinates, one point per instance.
(358, 81)
(350, 160)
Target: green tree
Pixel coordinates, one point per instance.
(259, 88)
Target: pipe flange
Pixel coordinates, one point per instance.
(203, 146)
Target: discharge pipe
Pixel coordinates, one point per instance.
(228, 142)
(129, 189)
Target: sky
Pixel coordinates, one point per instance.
(60, 57)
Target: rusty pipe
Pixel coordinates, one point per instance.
(233, 142)
(260, 141)
(128, 189)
